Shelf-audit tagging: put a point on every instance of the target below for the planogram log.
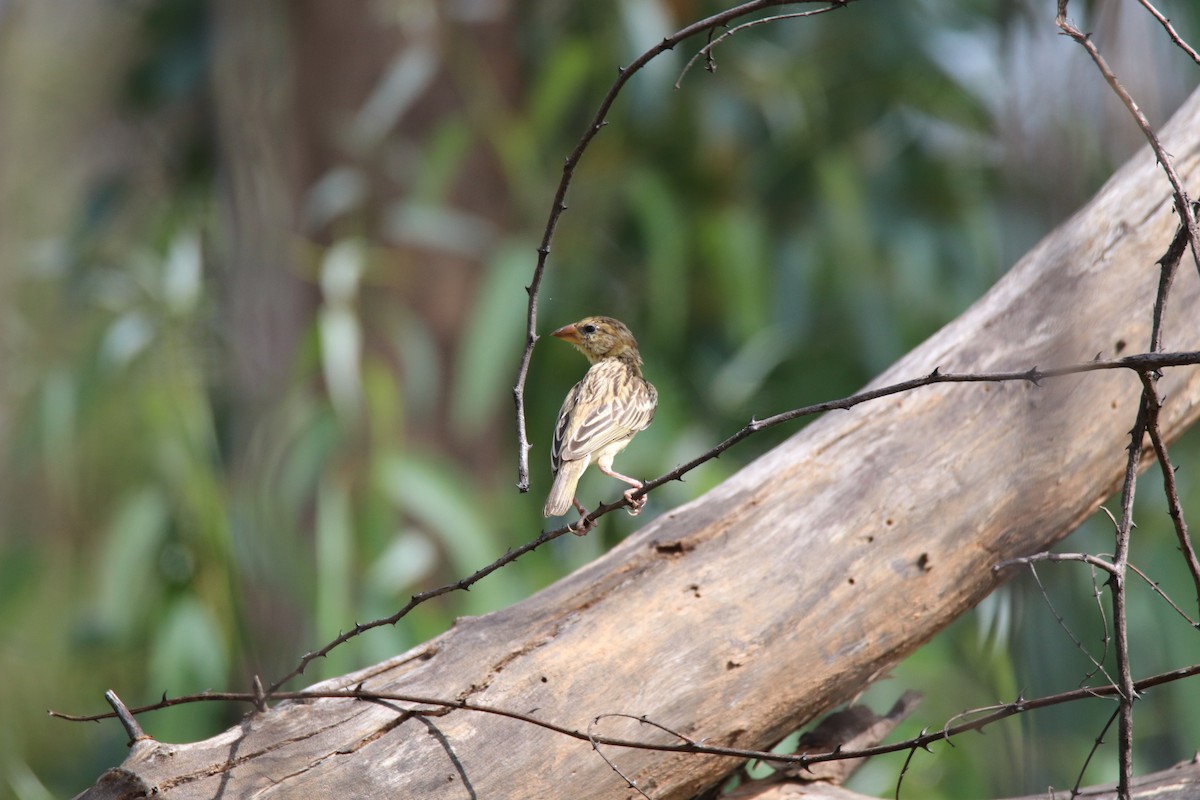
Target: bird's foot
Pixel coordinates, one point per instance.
(584, 524)
(636, 504)
(582, 527)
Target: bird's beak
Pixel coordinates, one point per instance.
(568, 333)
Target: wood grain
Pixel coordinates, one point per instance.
(1180, 782)
(786, 589)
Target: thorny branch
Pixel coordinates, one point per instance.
(559, 205)
(434, 706)
(1174, 506)
(1127, 694)
(1183, 205)
(1170, 29)
(1140, 363)
(706, 51)
(1146, 420)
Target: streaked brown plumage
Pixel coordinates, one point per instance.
(601, 413)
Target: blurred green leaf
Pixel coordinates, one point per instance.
(182, 268)
(491, 344)
(438, 498)
(558, 90)
(340, 332)
(125, 571)
(125, 339)
(442, 162)
(407, 561)
(335, 565)
(735, 254)
(663, 228)
(189, 652)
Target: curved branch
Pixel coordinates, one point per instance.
(559, 205)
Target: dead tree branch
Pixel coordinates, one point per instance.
(809, 572)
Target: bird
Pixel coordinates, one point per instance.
(600, 415)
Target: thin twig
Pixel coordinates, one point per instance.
(644, 721)
(706, 51)
(1154, 587)
(1166, 23)
(1120, 618)
(904, 771)
(1029, 561)
(1174, 506)
(417, 599)
(1099, 740)
(1183, 205)
(1098, 663)
(559, 205)
(611, 765)
(1137, 363)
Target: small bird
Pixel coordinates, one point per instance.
(601, 413)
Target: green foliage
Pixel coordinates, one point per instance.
(775, 232)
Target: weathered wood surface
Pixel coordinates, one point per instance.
(1180, 782)
(783, 591)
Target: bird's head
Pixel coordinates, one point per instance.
(599, 338)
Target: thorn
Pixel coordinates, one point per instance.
(937, 372)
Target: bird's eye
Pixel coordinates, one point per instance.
(588, 329)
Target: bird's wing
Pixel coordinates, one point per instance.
(611, 403)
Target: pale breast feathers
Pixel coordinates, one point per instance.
(611, 403)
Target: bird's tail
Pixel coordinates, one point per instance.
(563, 491)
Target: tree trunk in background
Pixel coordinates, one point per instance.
(301, 90)
(788, 588)
(373, 90)
(267, 304)
(306, 88)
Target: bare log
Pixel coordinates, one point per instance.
(789, 587)
(1180, 782)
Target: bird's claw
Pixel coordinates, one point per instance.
(582, 527)
(636, 504)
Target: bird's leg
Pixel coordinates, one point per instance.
(635, 505)
(584, 525)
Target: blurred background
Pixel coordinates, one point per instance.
(261, 307)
